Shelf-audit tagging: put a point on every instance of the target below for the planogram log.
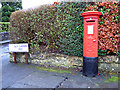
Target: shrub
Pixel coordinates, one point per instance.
(71, 25)
(109, 25)
(35, 26)
(4, 26)
(7, 8)
(60, 27)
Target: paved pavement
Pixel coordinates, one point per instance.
(26, 76)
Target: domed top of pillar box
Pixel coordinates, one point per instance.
(91, 13)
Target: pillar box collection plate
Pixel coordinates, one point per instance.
(90, 42)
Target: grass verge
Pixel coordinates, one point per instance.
(112, 79)
(56, 70)
(53, 70)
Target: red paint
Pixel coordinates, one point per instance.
(90, 41)
(56, 3)
(14, 54)
(26, 57)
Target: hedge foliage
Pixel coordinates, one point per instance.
(60, 27)
(35, 26)
(109, 25)
(4, 26)
(9, 7)
(71, 26)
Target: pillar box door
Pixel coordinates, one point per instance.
(90, 38)
(90, 42)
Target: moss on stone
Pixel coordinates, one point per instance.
(19, 64)
(53, 70)
(112, 79)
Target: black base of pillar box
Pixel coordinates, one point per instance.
(90, 66)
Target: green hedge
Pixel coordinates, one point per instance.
(58, 27)
(35, 26)
(4, 26)
(71, 22)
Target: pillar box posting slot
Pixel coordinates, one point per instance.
(90, 42)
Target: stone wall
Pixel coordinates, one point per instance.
(4, 36)
(109, 63)
(50, 59)
(60, 60)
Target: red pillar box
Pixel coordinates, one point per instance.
(90, 42)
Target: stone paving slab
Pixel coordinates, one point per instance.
(22, 85)
(80, 81)
(13, 72)
(108, 85)
(16, 75)
(11, 75)
(41, 80)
